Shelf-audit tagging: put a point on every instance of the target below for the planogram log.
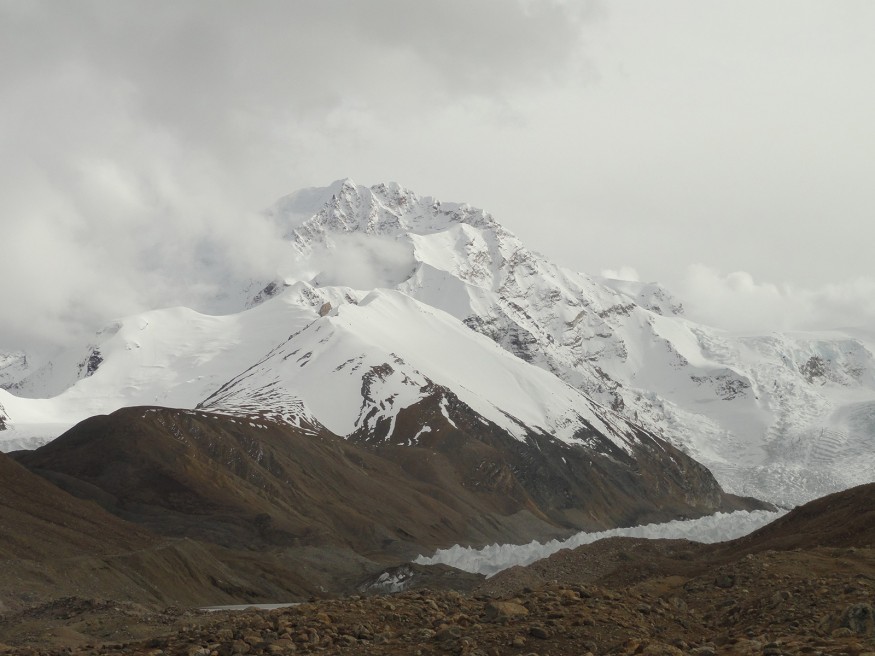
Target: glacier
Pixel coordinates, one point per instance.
(495, 558)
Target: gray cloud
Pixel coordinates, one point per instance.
(137, 139)
(203, 71)
(362, 262)
(736, 301)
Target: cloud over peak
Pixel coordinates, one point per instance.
(736, 301)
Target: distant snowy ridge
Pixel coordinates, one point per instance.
(490, 560)
(173, 357)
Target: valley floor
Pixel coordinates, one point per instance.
(619, 596)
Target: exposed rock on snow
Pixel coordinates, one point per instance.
(13, 368)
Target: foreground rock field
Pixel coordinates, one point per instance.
(816, 601)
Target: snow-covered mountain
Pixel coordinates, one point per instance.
(785, 417)
(361, 363)
(780, 416)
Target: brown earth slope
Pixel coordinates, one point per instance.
(257, 484)
(843, 519)
(53, 544)
(40, 521)
(253, 483)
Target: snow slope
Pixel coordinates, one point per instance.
(174, 357)
(364, 362)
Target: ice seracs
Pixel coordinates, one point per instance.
(494, 558)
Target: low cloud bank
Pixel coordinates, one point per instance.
(736, 301)
(363, 262)
(623, 273)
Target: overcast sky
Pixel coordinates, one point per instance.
(726, 149)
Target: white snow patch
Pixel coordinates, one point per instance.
(424, 429)
(182, 357)
(445, 412)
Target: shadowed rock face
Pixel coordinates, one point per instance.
(589, 486)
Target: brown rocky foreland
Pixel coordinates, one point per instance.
(618, 596)
(771, 603)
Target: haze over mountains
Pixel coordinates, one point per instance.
(398, 301)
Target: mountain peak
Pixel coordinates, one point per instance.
(313, 215)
